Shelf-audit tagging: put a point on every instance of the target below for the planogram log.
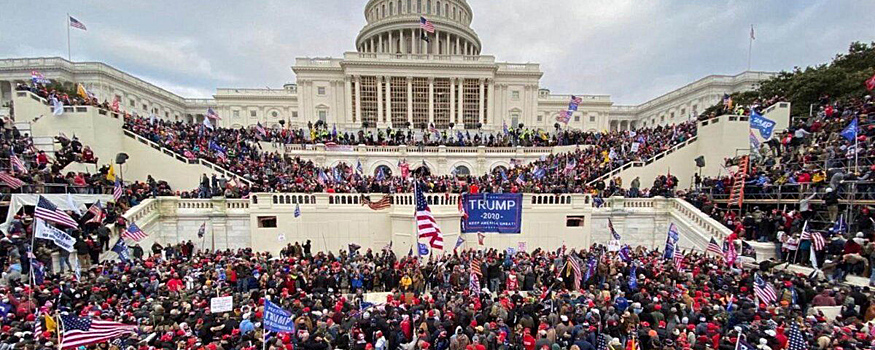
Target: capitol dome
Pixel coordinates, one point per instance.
(394, 27)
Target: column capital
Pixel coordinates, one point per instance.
(430, 80)
(481, 80)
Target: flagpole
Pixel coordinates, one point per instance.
(749, 47)
(69, 57)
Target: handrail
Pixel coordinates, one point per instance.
(645, 162)
(177, 156)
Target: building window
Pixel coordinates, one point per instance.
(387, 172)
(369, 100)
(166, 114)
(574, 221)
(399, 6)
(428, 7)
(145, 108)
(683, 111)
(540, 117)
(418, 6)
(695, 109)
(437, 9)
(671, 116)
(408, 6)
(592, 119)
(420, 102)
(133, 103)
(253, 114)
(577, 118)
(470, 113)
(462, 170)
(267, 222)
(441, 103)
(321, 91)
(323, 115)
(295, 114)
(236, 114)
(446, 10)
(515, 95)
(274, 114)
(662, 118)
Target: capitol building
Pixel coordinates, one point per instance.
(400, 76)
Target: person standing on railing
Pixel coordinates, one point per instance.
(831, 201)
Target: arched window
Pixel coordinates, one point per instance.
(387, 172)
(391, 8)
(462, 170)
(418, 6)
(384, 11)
(428, 7)
(437, 9)
(446, 10)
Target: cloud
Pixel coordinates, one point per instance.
(632, 50)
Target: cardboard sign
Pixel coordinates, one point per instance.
(221, 304)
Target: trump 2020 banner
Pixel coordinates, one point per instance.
(493, 212)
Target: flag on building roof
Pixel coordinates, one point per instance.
(714, 247)
(763, 290)
(426, 25)
(76, 24)
(82, 331)
(134, 233)
(426, 225)
(49, 212)
(12, 181)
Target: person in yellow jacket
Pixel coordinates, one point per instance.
(406, 281)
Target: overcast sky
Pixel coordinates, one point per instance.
(631, 49)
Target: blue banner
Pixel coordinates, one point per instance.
(493, 212)
(765, 125)
(277, 319)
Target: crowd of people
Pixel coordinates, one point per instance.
(240, 151)
(473, 299)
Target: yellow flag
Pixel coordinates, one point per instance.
(50, 324)
(110, 175)
(80, 90)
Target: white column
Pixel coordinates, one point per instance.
(461, 118)
(490, 103)
(431, 100)
(380, 115)
(480, 105)
(389, 47)
(380, 47)
(453, 100)
(410, 101)
(412, 38)
(358, 99)
(389, 99)
(534, 103)
(458, 46)
(466, 48)
(348, 92)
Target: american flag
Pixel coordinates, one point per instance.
(475, 266)
(714, 247)
(426, 225)
(96, 210)
(475, 284)
(679, 261)
(564, 116)
(381, 204)
(16, 162)
(10, 180)
(613, 231)
(426, 25)
(260, 129)
(81, 331)
(795, 339)
(115, 104)
(117, 191)
(575, 268)
(212, 114)
(763, 290)
(603, 342)
(76, 24)
(49, 212)
(134, 233)
(815, 237)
